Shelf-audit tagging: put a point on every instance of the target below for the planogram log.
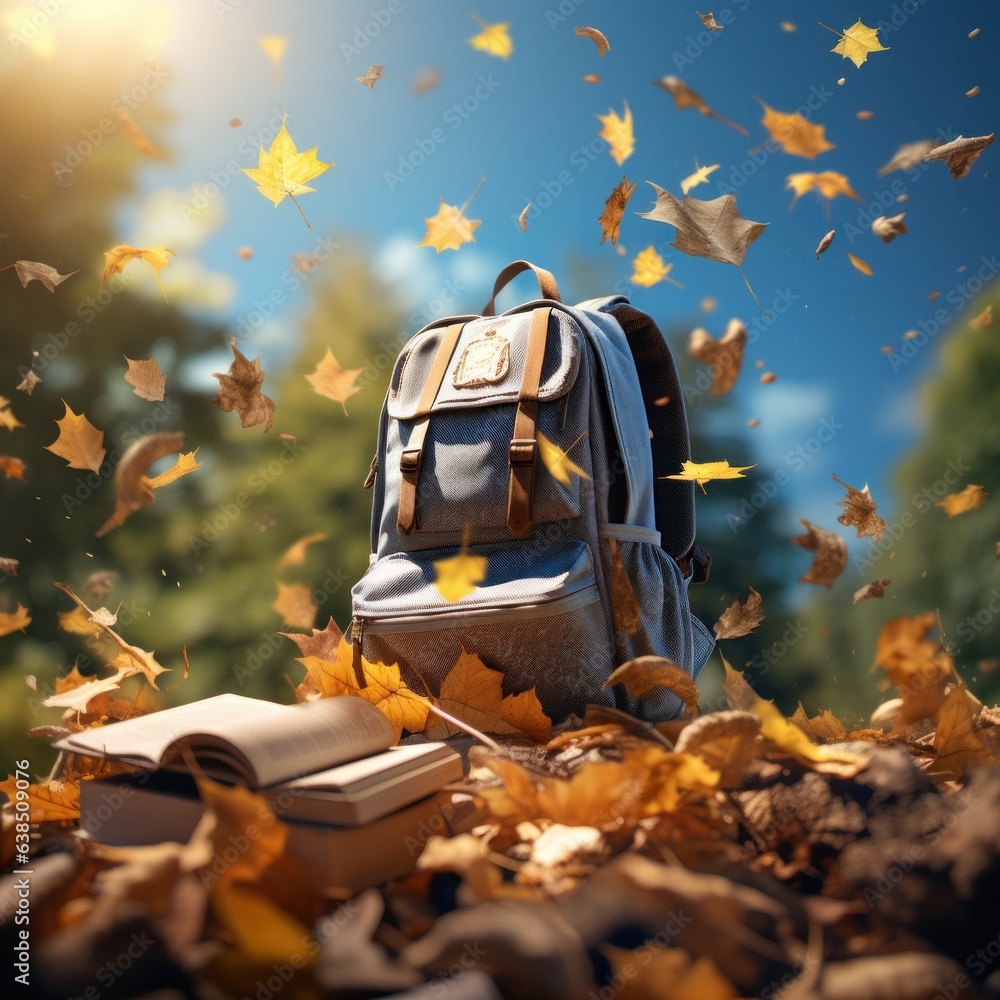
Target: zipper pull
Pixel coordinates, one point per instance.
(372, 473)
(563, 407)
(357, 634)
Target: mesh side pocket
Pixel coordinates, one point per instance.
(652, 618)
(565, 656)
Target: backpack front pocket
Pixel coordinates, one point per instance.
(536, 616)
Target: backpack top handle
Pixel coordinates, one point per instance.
(546, 282)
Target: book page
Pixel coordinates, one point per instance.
(299, 739)
(146, 737)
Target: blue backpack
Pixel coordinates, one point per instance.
(525, 453)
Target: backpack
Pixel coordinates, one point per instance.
(536, 441)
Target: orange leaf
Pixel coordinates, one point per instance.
(118, 257)
(12, 468)
(971, 498)
(295, 554)
(146, 377)
(794, 133)
(295, 605)
(14, 621)
(48, 801)
(331, 380)
(80, 443)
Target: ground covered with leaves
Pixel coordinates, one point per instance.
(728, 853)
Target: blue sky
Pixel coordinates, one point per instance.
(528, 126)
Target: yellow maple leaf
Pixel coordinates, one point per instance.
(80, 443)
(155, 258)
(557, 461)
(459, 575)
(617, 132)
(971, 498)
(857, 41)
(282, 171)
(449, 229)
(828, 184)
(14, 621)
(794, 133)
(703, 472)
(384, 687)
(648, 268)
(472, 692)
(48, 801)
(295, 605)
(331, 380)
(700, 176)
(185, 463)
(7, 418)
(493, 39)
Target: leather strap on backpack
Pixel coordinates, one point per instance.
(546, 283)
(523, 445)
(412, 456)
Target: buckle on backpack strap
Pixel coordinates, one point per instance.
(409, 461)
(522, 452)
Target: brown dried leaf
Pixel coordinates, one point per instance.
(597, 37)
(795, 134)
(915, 663)
(685, 97)
(33, 270)
(887, 229)
(874, 589)
(859, 512)
(822, 728)
(372, 77)
(647, 672)
(709, 21)
(12, 468)
(146, 377)
(829, 554)
(958, 738)
(825, 242)
(614, 208)
(48, 801)
(861, 265)
(624, 604)
(331, 380)
(908, 155)
(295, 605)
(971, 498)
(740, 619)
(960, 153)
(239, 390)
(28, 383)
(14, 621)
(80, 443)
(322, 643)
(725, 741)
(522, 219)
(723, 356)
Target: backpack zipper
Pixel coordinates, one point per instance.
(436, 619)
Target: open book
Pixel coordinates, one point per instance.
(327, 761)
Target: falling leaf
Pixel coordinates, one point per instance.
(723, 356)
(14, 621)
(295, 605)
(624, 604)
(384, 687)
(133, 489)
(857, 41)
(648, 268)
(704, 472)
(700, 176)
(708, 304)
(862, 265)
(12, 468)
(959, 743)
(960, 153)
(617, 132)
(874, 589)
(973, 33)
(795, 134)
(557, 461)
(972, 92)
(859, 512)
(887, 229)
(80, 443)
(425, 80)
(295, 554)
(9, 566)
(614, 208)
(709, 21)
(147, 378)
(77, 699)
(155, 258)
(493, 39)
(28, 383)
(597, 37)
(918, 665)
(522, 219)
(48, 801)
(472, 692)
(863, 116)
(186, 462)
(459, 574)
(99, 583)
(274, 48)
(712, 229)
(32, 270)
(908, 156)
(980, 322)
(971, 498)
(372, 77)
(449, 229)
(235, 122)
(283, 171)
(77, 622)
(239, 390)
(827, 184)
(135, 135)
(825, 243)
(644, 673)
(591, 78)
(331, 380)
(767, 378)
(740, 619)
(244, 253)
(829, 554)
(685, 97)
(788, 26)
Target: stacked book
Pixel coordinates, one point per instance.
(359, 809)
